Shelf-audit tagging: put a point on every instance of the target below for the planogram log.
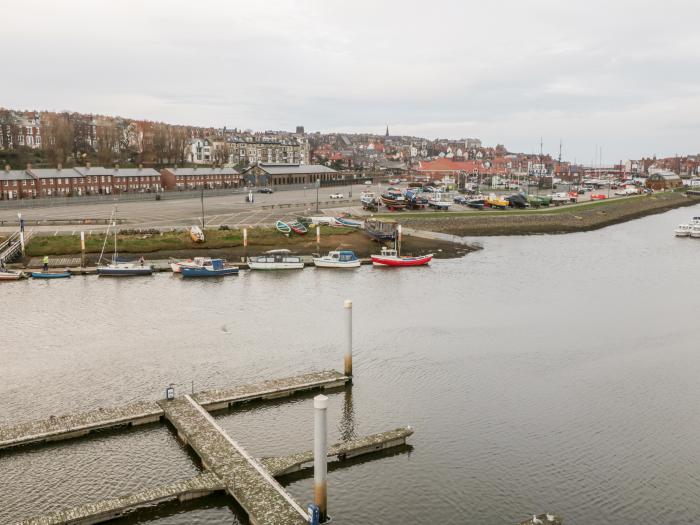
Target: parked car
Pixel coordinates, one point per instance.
(460, 199)
(265, 190)
(336, 195)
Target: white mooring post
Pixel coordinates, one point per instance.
(320, 460)
(348, 337)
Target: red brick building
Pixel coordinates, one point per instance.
(57, 182)
(135, 180)
(191, 178)
(16, 184)
(98, 180)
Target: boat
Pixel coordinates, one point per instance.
(9, 275)
(440, 201)
(495, 202)
(695, 231)
(538, 200)
(338, 259)
(276, 260)
(390, 257)
(50, 275)
(393, 199)
(415, 199)
(176, 266)
(283, 227)
(380, 230)
(119, 268)
(477, 204)
(196, 234)
(212, 268)
(368, 201)
(298, 227)
(682, 230)
(342, 221)
(322, 221)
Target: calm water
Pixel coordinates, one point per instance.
(543, 373)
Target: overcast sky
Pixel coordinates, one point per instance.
(622, 75)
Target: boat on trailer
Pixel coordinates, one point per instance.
(393, 199)
(338, 259)
(212, 268)
(276, 260)
(390, 257)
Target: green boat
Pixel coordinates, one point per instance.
(283, 227)
(539, 200)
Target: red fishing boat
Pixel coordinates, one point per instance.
(390, 257)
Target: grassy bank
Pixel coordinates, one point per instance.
(562, 219)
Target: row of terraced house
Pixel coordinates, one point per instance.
(95, 180)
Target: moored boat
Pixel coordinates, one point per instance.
(124, 269)
(50, 275)
(177, 266)
(695, 231)
(390, 257)
(276, 260)
(682, 230)
(10, 275)
(283, 227)
(338, 259)
(212, 268)
(380, 230)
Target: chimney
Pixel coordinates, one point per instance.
(116, 166)
(140, 166)
(29, 166)
(87, 165)
(8, 168)
(59, 166)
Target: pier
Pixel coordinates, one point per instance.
(143, 412)
(208, 482)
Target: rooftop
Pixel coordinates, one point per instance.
(292, 169)
(191, 172)
(14, 175)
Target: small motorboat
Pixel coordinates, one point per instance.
(338, 259)
(176, 266)
(196, 234)
(682, 230)
(390, 257)
(276, 260)
(342, 221)
(212, 268)
(50, 275)
(9, 275)
(283, 227)
(298, 227)
(695, 231)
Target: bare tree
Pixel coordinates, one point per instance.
(58, 137)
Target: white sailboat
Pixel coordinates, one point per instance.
(116, 268)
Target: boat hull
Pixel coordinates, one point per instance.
(283, 227)
(124, 272)
(10, 276)
(320, 263)
(276, 266)
(42, 275)
(381, 260)
(204, 272)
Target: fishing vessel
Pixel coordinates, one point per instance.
(196, 234)
(50, 275)
(682, 230)
(390, 257)
(380, 230)
(298, 227)
(283, 227)
(393, 199)
(118, 268)
(211, 268)
(276, 260)
(695, 231)
(338, 259)
(176, 266)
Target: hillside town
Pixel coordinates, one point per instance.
(48, 154)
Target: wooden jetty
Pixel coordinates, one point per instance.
(71, 426)
(208, 482)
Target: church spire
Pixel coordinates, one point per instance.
(387, 131)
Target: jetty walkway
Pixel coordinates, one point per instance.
(134, 414)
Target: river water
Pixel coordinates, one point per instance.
(543, 373)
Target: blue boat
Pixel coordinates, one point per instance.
(50, 275)
(215, 269)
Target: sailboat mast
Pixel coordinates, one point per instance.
(114, 257)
